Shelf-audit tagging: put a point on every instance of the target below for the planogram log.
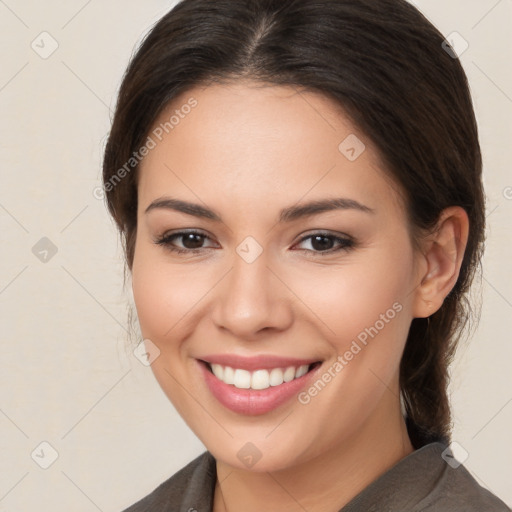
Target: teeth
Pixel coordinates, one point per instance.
(302, 370)
(276, 377)
(242, 379)
(229, 375)
(218, 371)
(289, 374)
(259, 379)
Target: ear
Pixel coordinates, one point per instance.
(440, 261)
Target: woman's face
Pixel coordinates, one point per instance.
(268, 284)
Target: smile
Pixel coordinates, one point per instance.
(260, 386)
(259, 379)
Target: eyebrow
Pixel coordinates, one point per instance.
(288, 214)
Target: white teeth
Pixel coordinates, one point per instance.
(301, 370)
(242, 379)
(218, 371)
(229, 375)
(259, 379)
(289, 374)
(276, 377)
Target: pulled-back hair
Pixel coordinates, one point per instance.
(386, 65)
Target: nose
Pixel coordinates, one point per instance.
(252, 298)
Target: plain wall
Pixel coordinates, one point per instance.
(68, 376)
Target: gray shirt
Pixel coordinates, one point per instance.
(422, 481)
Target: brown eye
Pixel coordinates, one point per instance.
(191, 241)
(322, 243)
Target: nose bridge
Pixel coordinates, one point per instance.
(250, 298)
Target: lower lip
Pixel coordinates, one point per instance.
(253, 402)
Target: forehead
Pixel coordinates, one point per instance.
(257, 141)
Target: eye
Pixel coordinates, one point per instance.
(191, 241)
(322, 243)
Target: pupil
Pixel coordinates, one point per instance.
(194, 240)
(321, 246)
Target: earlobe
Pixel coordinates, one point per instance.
(443, 254)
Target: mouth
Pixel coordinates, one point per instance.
(261, 378)
(259, 390)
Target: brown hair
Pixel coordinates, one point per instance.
(385, 64)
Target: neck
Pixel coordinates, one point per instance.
(325, 483)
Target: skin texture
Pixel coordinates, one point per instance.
(247, 151)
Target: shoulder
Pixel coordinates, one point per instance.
(427, 480)
(188, 489)
(458, 491)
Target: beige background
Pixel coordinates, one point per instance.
(68, 377)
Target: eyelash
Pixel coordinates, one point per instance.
(345, 243)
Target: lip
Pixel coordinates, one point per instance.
(260, 362)
(253, 402)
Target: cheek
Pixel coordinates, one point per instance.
(351, 297)
(363, 312)
(150, 296)
(165, 295)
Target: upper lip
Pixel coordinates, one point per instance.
(260, 362)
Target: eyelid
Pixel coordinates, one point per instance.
(169, 235)
(326, 233)
(345, 242)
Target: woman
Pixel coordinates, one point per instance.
(298, 189)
